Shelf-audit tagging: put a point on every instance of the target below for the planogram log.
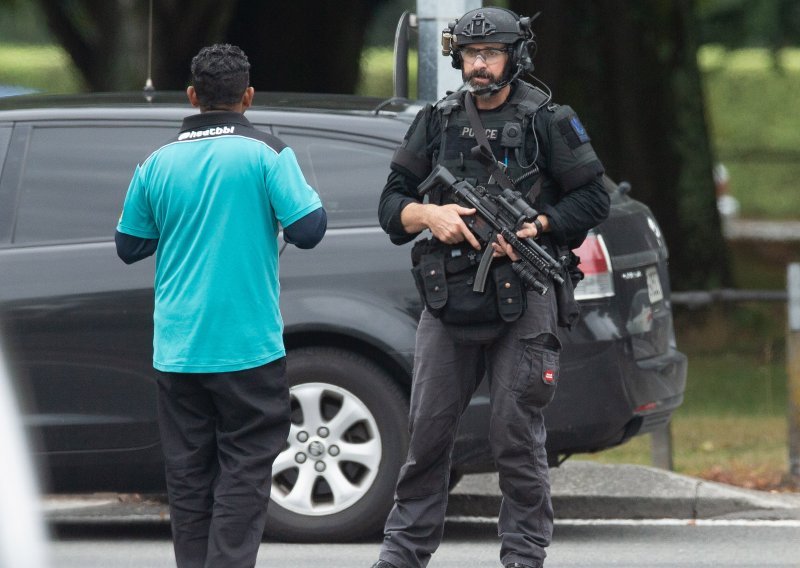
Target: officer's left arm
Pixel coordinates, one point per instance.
(579, 210)
(575, 167)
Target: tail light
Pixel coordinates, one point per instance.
(598, 280)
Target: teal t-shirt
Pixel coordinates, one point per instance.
(215, 198)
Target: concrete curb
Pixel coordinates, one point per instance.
(587, 490)
(581, 490)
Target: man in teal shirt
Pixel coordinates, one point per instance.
(210, 204)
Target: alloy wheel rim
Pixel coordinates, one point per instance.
(332, 454)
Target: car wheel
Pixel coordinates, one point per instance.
(335, 479)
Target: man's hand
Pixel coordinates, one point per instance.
(528, 230)
(447, 225)
(502, 248)
(444, 221)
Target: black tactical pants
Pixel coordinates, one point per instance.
(221, 432)
(521, 363)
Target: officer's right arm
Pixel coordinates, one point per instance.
(401, 212)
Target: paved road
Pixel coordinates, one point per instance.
(607, 516)
(577, 544)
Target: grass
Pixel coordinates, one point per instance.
(376, 73)
(749, 451)
(755, 126)
(45, 68)
(732, 426)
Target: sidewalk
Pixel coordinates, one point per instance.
(581, 490)
(588, 490)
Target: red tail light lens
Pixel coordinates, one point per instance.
(598, 281)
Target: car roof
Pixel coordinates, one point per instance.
(136, 104)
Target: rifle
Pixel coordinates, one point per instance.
(502, 214)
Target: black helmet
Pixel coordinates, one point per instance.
(492, 25)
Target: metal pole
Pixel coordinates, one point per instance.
(793, 371)
(400, 67)
(435, 74)
(661, 447)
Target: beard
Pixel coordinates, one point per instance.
(481, 90)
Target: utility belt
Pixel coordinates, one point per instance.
(445, 275)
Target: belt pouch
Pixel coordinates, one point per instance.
(429, 276)
(511, 299)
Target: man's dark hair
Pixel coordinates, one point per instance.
(220, 75)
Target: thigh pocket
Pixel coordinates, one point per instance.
(537, 375)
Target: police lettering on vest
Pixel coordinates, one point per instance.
(467, 132)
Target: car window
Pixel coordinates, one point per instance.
(348, 174)
(75, 177)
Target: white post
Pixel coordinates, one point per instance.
(436, 75)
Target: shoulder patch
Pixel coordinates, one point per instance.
(573, 131)
(575, 122)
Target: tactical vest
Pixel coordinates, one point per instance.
(508, 130)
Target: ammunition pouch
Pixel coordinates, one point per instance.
(445, 277)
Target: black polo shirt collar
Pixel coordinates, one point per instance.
(214, 118)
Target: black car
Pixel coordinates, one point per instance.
(78, 322)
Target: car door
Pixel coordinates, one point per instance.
(356, 274)
(78, 322)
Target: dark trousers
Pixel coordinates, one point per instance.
(521, 363)
(221, 432)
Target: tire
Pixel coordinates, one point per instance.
(343, 406)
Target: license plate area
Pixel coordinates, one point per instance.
(654, 290)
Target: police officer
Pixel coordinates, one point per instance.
(544, 151)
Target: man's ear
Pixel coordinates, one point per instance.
(192, 94)
(247, 98)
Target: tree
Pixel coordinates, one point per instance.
(314, 45)
(108, 39)
(309, 46)
(630, 71)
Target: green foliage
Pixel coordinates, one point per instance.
(21, 21)
(376, 73)
(45, 68)
(741, 23)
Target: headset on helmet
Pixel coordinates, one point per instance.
(493, 25)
